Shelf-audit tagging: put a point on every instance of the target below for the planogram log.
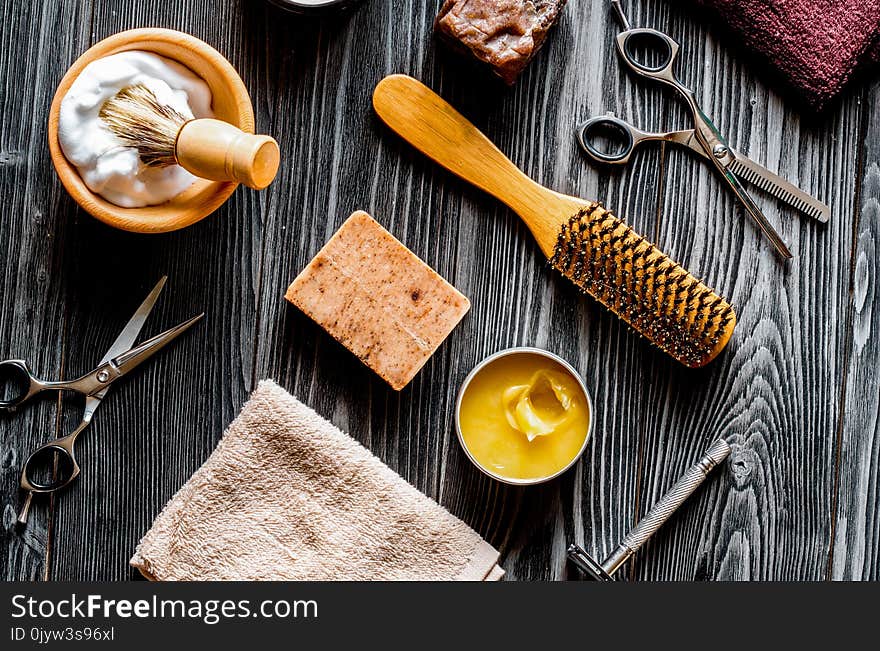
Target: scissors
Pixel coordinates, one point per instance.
(17, 379)
(704, 138)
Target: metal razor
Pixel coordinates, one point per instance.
(659, 513)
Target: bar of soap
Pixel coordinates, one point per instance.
(505, 34)
(378, 299)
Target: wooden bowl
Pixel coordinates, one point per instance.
(230, 102)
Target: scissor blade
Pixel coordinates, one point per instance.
(775, 185)
(756, 213)
(131, 359)
(133, 328)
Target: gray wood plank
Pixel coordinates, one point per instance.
(479, 246)
(37, 40)
(856, 543)
(774, 394)
(158, 426)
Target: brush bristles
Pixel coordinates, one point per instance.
(656, 296)
(136, 117)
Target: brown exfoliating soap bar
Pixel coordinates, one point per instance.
(378, 299)
(506, 34)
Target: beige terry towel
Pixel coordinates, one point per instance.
(286, 495)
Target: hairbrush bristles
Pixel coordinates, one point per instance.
(656, 296)
(136, 117)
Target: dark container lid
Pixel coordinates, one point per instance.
(316, 7)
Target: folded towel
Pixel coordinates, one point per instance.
(286, 495)
(816, 45)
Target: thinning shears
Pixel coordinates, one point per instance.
(704, 138)
(56, 460)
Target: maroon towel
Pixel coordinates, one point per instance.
(815, 44)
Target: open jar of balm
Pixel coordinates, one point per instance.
(523, 416)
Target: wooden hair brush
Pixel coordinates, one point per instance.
(208, 148)
(594, 249)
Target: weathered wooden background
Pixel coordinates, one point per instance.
(796, 392)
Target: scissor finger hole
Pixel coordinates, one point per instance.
(648, 51)
(14, 383)
(49, 468)
(606, 140)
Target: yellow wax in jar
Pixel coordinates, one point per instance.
(523, 416)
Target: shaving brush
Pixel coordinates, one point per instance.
(208, 148)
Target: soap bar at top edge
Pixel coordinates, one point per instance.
(505, 34)
(378, 299)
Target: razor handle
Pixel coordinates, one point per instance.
(656, 517)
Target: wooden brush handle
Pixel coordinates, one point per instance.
(432, 126)
(435, 128)
(216, 150)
